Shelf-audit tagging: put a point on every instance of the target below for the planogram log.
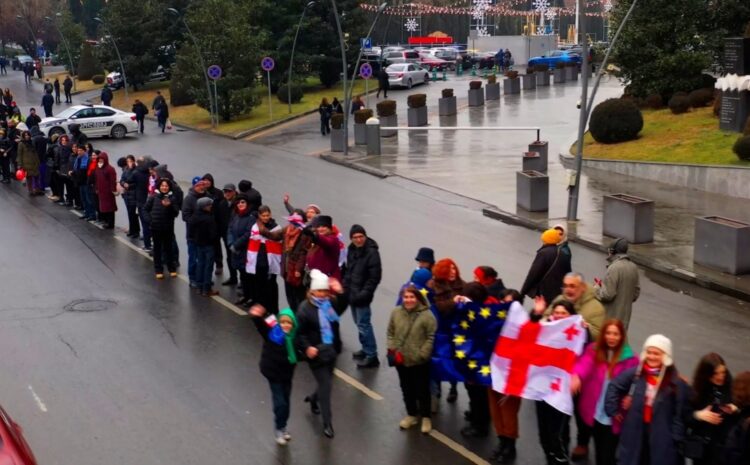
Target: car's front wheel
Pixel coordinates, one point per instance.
(58, 131)
(119, 131)
(408, 84)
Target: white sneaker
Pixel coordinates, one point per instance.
(408, 422)
(426, 425)
(287, 436)
(280, 440)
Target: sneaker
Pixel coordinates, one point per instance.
(159, 275)
(426, 425)
(408, 421)
(210, 293)
(280, 440)
(358, 355)
(369, 362)
(287, 436)
(172, 274)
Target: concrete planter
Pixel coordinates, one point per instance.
(476, 97)
(559, 75)
(532, 161)
(571, 73)
(723, 244)
(388, 121)
(492, 91)
(337, 140)
(447, 106)
(528, 81)
(542, 148)
(511, 86)
(542, 79)
(532, 191)
(735, 108)
(628, 216)
(372, 132)
(360, 134)
(417, 116)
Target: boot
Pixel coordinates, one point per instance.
(452, 395)
(509, 451)
(580, 453)
(497, 452)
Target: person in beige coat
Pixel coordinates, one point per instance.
(621, 286)
(581, 295)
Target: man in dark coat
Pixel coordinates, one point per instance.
(363, 274)
(56, 86)
(33, 119)
(140, 182)
(383, 83)
(106, 96)
(140, 111)
(189, 207)
(76, 136)
(40, 146)
(202, 224)
(48, 101)
(223, 217)
(254, 199)
(217, 196)
(548, 270)
(67, 87)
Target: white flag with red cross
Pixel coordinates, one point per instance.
(535, 360)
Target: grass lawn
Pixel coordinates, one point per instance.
(196, 117)
(692, 137)
(81, 86)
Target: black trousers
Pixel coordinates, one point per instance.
(134, 225)
(294, 295)
(163, 250)
(479, 410)
(415, 388)
(584, 431)
(109, 219)
(605, 443)
(218, 254)
(5, 167)
(140, 124)
(266, 291)
(324, 379)
(68, 96)
(552, 425)
(246, 281)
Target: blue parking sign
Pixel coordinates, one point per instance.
(366, 43)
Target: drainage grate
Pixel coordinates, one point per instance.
(90, 305)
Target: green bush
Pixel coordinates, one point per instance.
(654, 101)
(88, 65)
(679, 103)
(337, 121)
(283, 93)
(475, 84)
(180, 89)
(541, 68)
(97, 79)
(329, 72)
(615, 120)
(361, 116)
(416, 100)
(386, 108)
(511, 74)
(742, 148)
(700, 97)
(447, 93)
(746, 129)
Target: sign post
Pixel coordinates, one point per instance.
(214, 73)
(267, 64)
(365, 72)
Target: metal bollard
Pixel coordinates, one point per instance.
(373, 136)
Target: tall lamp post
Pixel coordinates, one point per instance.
(119, 58)
(214, 114)
(309, 4)
(31, 30)
(381, 8)
(65, 43)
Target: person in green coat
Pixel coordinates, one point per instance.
(411, 333)
(29, 161)
(621, 286)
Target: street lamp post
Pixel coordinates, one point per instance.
(65, 43)
(31, 30)
(214, 114)
(117, 51)
(291, 58)
(359, 57)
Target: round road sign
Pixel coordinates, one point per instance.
(214, 72)
(365, 71)
(267, 64)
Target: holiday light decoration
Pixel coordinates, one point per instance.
(501, 8)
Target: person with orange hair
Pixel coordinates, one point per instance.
(447, 284)
(545, 277)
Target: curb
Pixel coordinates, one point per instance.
(378, 173)
(644, 261)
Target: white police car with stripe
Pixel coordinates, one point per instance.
(95, 121)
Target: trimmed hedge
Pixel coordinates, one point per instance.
(741, 148)
(337, 121)
(511, 74)
(679, 103)
(475, 84)
(97, 79)
(283, 94)
(361, 116)
(746, 129)
(179, 89)
(491, 79)
(654, 101)
(386, 108)
(416, 100)
(717, 103)
(701, 97)
(615, 120)
(447, 93)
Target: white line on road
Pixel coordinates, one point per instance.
(357, 385)
(38, 400)
(458, 448)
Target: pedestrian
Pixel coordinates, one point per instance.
(56, 86)
(383, 83)
(64, 163)
(161, 209)
(447, 284)
(106, 96)
(140, 177)
(550, 265)
(94, 215)
(254, 198)
(238, 234)
(28, 160)
(508, 59)
(487, 277)
(411, 333)
(158, 100)
(714, 412)
(162, 171)
(79, 176)
(129, 196)
(600, 362)
(737, 450)
(48, 87)
(325, 110)
(499, 59)
(224, 216)
(33, 119)
(77, 137)
(140, 111)
(48, 101)
(264, 259)
(653, 402)
(581, 295)
(363, 274)
(7, 97)
(357, 104)
(162, 114)
(68, 87)
(203, 227)
(310, 211)
(294, 254)
(563, 245)
(319, 339)
(336, 105)
(49, 160)
(620, 286)
(3, 64)
(40, 147)
(217, 196)
(106, 189)
(324, 253)
(189, 208)
(278, 359)
(5, 147)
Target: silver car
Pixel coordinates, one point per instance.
(406, 75)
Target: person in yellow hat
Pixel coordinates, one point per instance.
(545, 277)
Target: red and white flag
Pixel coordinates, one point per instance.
(535, 360)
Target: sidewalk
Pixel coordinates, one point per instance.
(482, 166)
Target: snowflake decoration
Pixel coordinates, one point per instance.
(411, 25)
(541, 5)
(607, 6)
(482, 32)
(480, 7)
(550, 14)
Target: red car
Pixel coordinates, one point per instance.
(13, 447)
(430, 62)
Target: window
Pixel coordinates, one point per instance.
(411, 55)
(101, 112)
(85, 113)
(411, 68)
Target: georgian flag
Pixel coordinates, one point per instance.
(535, 360)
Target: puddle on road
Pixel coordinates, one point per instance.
(90, 305)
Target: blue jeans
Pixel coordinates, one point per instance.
(192, 261)
(145, 226)
(280, 394)
(366, 334)
(204, 267)
(87, 199)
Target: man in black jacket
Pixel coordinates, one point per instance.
(189, 208)
(362, 276)
(140, 178)
(205, 232)
(223, 217)
(254, 199)
(549, 268)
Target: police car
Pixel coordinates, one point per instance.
(95, 121)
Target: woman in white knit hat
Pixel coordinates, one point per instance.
(652, 401)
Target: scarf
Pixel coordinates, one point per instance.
(273, 251)
(278, 336)
(653, 380)
(326, 315)
(291, 235)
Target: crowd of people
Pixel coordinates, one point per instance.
(637, 408)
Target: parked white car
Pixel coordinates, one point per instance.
(406, 75)
(95, 121)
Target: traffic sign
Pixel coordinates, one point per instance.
(267, 64)
(365, 71)
(214, 72)
(366, 43)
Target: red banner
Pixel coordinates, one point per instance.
(430, 40)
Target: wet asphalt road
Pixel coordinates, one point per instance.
(157, 375)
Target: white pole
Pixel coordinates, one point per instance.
(270, 109)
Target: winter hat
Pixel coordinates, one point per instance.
(196, 180)
(318, 281)
(619, 246)
(421, 276)
(323, 220)
(291, 352)
(563, 231)
(204, 202)
(425, 254)
(229, 187)
(551, 237)
(245, 185)
(314, 207)
(357, 229)
(662, 343)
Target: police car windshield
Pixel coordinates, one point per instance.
(67, 113)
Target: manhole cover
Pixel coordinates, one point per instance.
(90, 305)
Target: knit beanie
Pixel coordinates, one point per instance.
(357, 229)
(421, 276)
(245, 185)
(662, 343)
(323, 220)
(204, 202)
(318, 281)
(551, 237)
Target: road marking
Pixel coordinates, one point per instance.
(458, 448)
(357, 385)
(134, 247)
(38, 400)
